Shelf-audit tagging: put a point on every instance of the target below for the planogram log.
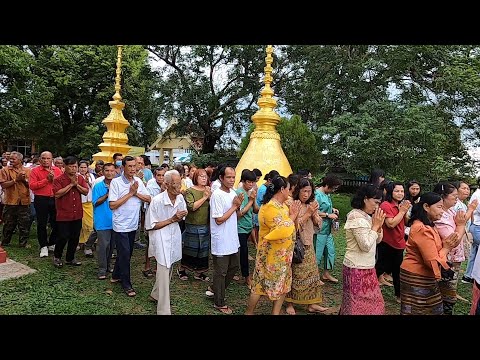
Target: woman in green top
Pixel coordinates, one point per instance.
(324, 245)
(196, 237)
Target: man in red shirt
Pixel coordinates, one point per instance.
(41, 184)
(68, 189)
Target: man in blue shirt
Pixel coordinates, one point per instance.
(102, 221)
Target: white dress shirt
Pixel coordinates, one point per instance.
(165, 243)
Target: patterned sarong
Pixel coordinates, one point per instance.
(420, 295)
(196, 247)
(306, 288)
(361, 293)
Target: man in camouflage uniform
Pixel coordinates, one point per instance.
(14, 181)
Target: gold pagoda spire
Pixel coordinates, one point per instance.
(264, 150)
(115, 139)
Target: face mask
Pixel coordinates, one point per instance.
(118, 163)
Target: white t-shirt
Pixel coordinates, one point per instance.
(88, 197)
(165, 243)
(476, 269)
(216, 185)
(224, 237)
(188, 182)
(476, 212)
(125, 218)
(99, 179)
(153, 189)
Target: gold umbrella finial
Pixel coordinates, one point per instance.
(264, 150)
(118, 87)
(115, 140)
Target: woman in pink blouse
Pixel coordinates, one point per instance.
(450, 222)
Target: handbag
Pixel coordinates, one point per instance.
(298, 250)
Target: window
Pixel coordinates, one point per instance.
(22, 146)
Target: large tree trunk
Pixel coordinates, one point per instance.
(209, 143)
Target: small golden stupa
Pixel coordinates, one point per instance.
(264, 150)
(114, 139)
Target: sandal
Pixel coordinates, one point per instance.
(316, 309)
(201, 277)
(130, 292)
(113, 281)
(182, 275)
(148, 273)
(223, 309)
(102, 277)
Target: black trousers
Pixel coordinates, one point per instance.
(46, 212)
(243, 238)
(68, 234)
(389, 261)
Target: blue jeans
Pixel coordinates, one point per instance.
(124, 243)
(475, 230)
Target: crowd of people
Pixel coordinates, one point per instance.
(395, 235)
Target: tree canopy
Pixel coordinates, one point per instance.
(363, 105)
(58, 95)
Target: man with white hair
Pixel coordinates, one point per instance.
(41, 184)
(165, 239)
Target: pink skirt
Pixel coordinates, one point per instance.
(361, 293)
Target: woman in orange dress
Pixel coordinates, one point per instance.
(425, 262)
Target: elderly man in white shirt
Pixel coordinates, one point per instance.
(154, 187)
(165, 238)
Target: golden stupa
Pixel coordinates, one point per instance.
(114, 139)
(264, 150)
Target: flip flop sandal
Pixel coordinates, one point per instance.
(102, 277)
(114, 281)
(130, 292)
(223, 309)
(148, 273)
(202, 277)
(182, 275)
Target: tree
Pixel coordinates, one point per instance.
(298, 143)
(334, 85)
(208, 88)
(57, 95)
(329, 80)
(406, 140)
(24, 97)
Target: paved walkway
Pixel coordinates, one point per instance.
(12, 269)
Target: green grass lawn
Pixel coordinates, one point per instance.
(76, 290)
